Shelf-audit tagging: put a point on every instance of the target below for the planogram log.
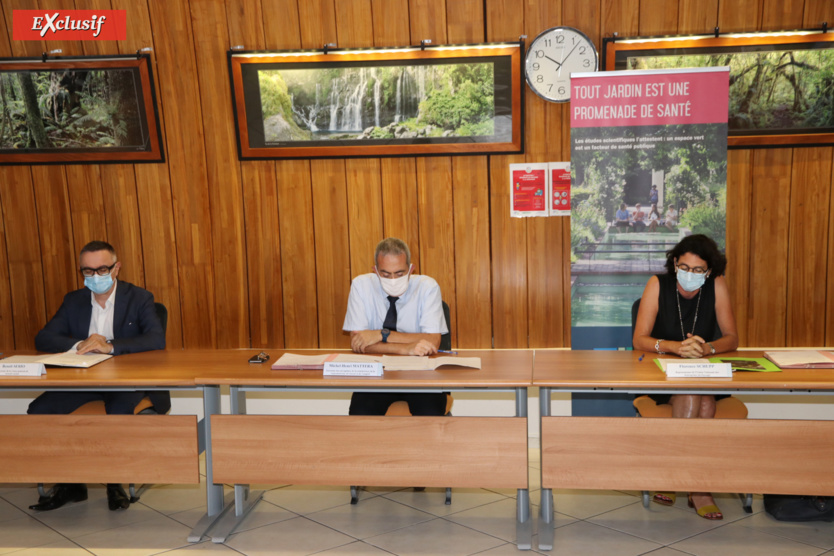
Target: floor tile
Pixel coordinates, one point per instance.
(815, 533)
(433, 500)
(9, 511)
(64, 547)
(438, 536)
(661, 524)
(264, 513)
(138, 539)
(735, 539)
(358, 548)
(92, 515)
(311, 498)
(205, 547)
(26, 532)
(169, 499)
(292, 537)
(666, 551)
(590, 540)
(497, 519)
(369, 518)
(583, 504)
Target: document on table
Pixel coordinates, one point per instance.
(802, 359)
(293, 361)
(412, 363)
(66, 359)
(663, 362)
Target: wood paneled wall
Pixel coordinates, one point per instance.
(261, 254)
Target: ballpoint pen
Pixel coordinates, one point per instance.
(641, 357)
(447, 351)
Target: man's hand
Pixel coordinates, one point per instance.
(421, 347)
(692, 347)
(361, 339)
(94, 344)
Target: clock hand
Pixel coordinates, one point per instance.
(554, 61)
(569, 53)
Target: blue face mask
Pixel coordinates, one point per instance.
(690, 281)
(98, 284)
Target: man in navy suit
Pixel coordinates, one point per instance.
(106, 316)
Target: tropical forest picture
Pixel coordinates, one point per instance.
(775, 90)
(73, 110)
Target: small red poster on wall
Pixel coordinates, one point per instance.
(560, 187)
(528, 190)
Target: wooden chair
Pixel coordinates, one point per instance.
(727, 408)
(144, 407)
(400, 408)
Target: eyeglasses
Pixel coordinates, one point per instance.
(101, 271)
(696, 270)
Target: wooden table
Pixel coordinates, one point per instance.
(446, 451)
(713, 455)
(69, 448)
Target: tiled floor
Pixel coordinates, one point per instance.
(319, 520)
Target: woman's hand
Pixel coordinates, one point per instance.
(692, 347)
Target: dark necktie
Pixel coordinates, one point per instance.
(391, 318)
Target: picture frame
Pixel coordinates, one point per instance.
(85, 110)
(778, 81)
(380, 102)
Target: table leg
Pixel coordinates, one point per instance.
(546, 522)
(214, 493)
(524, 524)
(243, 502)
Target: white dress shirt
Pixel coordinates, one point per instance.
(419, 309)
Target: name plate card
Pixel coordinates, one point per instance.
(333, 368)
(22, 369)
(699, 370)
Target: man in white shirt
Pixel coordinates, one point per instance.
(106, 316)
(394, 311)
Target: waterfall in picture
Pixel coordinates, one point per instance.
(334, 104)
(398, 113)
(352, 117)
(309, 119)
(377, 95)
(409, 94)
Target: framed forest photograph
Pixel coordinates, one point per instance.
(80, 110)
(378, 102)
(781, 83)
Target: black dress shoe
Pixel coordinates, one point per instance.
(61, 494)
(117, 497)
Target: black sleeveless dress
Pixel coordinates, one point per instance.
(667, 325)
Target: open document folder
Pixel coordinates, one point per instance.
(802, 359)
(66, 359)
(290, 361)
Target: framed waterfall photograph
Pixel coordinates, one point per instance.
(438, 100)
(85, 110)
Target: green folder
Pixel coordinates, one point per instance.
(759, 364)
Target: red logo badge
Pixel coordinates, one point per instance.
(69, 25)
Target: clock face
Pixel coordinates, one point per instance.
(553, 56)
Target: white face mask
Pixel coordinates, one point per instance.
(394, 287)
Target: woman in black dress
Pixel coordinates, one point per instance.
(686, 312)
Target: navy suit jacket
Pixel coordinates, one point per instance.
(136, 327)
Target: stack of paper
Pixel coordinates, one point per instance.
(290, 361)
(802, 359)
(66, 359)
(411, 363)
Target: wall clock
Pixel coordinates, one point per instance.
(553, 55)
